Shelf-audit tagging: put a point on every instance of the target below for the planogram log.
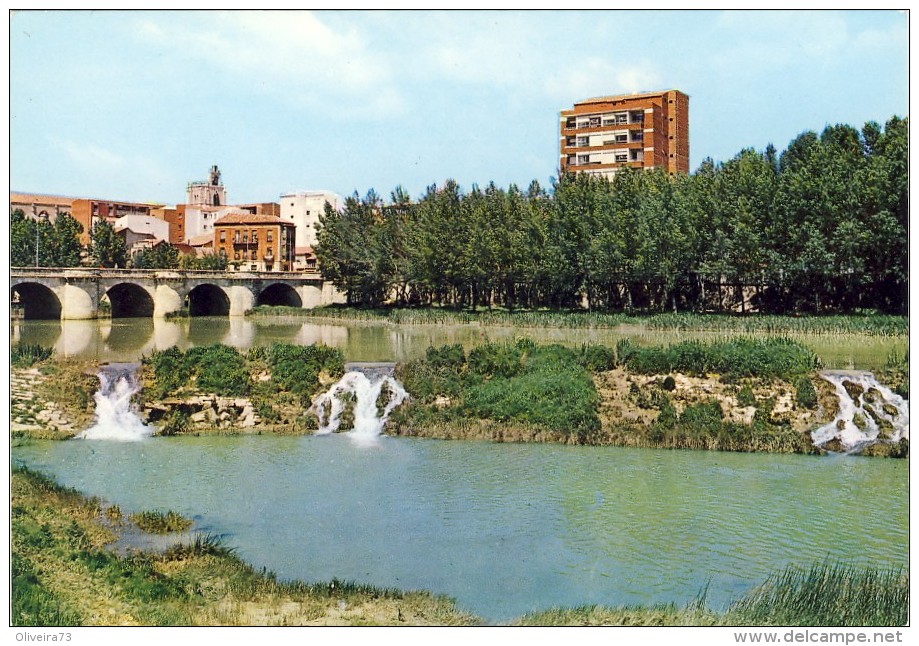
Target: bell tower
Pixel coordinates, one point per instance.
(210, 192)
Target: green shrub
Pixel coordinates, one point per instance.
(805, 394)
(745, 396)
(597, 358)
(25, 355)
(495, 359)
(702, 418)
(218, 369)
(446, 356)
(176, 421)
(741, 357)
(157, 522)
(296, 368)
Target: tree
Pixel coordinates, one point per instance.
(39, 243)
(161, 256)
(107, 248)
(66, 250)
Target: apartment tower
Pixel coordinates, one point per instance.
(647, 130)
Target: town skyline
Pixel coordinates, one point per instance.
(352, 100)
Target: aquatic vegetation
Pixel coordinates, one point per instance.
(826, 594)
(733, 358)
(157, 522)
(523, 383)
(820, 595)
(25, 355)
(868, 324)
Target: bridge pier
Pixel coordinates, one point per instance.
(166, 300)
(76, 303)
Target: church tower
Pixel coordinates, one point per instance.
(210, 192)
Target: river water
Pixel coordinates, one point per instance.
(129, 339)
(506, 529)
(503, 529)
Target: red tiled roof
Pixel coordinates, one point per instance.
(38, 198)
(249, 218)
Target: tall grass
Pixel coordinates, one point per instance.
(821, 595)
(740, 357)
(25, 355)
(827, 595)
(867, 324)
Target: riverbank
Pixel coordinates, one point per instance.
(64, 575)
(866, 324)
(735, 395)
(66, 572)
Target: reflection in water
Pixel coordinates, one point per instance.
(204, 330)
(241, 334)
(128, 339)
(129, 335)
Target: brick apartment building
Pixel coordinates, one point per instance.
(647, 130)
(255, 242)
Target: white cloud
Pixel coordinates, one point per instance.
(292, 55)
(592, 77)
(115, 173)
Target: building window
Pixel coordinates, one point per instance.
(621, 157)
(621, 138)
(255, 236)
(223, 236)
(269, 236)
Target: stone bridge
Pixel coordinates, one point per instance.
(78, 293)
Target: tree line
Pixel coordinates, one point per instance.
(821, 226)
(39, 243)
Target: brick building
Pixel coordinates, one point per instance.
(36, 205)
(253, 242)
(88, 212)
(647, 130)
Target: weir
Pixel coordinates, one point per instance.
(116, 412)
(869, 412)
(369, 391)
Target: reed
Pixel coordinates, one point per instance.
(827, 594)
(868, 324)
(157, 522)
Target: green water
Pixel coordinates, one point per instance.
(129, 339)
(506, 529)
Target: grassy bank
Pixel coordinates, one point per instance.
(763, 397)
(821, 595)
(64, 575)
(867, 324)
(216, 388)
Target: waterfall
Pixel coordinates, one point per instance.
(362, 386)
(116, 417)
(868, 412)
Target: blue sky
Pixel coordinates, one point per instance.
(132, 105)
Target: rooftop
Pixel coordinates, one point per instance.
(250, 218)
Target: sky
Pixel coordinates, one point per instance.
(132, 105)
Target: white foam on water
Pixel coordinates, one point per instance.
(843, 427)
(368, 420)
(116, 416)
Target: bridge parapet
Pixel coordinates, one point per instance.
(79, 290)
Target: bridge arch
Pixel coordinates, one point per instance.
(130, 300)
(279, 294)
(208, 299)
(37, 301)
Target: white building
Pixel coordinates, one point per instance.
(303, 208)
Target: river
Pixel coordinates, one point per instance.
(130, 339)
(506, 529)
(503, 529)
